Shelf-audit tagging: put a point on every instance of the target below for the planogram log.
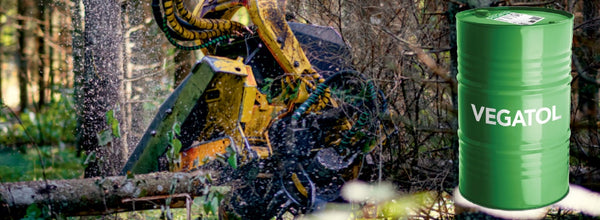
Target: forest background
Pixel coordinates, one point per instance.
(54, 104)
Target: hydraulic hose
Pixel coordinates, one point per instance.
(158, 17)
(203, 23)
(185, 33)
(189, 28)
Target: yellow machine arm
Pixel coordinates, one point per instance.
(267, 112)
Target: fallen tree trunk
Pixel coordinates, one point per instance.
(99, 196)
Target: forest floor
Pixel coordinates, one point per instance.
(61, 162)
(25, 165)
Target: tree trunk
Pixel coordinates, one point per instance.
(127, 113)
(77, 54)
(99, 196)
(453, 9)
(99, 86)
(1, 56)
(42, 53)
(143, 61)
(2, 13)
(52, 51)
(23, 8)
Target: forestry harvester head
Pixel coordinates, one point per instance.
(275, 100)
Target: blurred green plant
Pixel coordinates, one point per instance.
(60, 163)
(35, 213)
(380, 201)
(113, 131)
(173, 156)
(53, 125)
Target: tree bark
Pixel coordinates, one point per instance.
(42, 52)
(126, 89)
(52, 51)
(100, 196)
(22, 57)
(1, 56)
(77, 54)
(99, 86)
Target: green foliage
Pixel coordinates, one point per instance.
(197, 211)
(54, 125)
(202, 207)
(173, 156)
(113, 123)
(34, 213)
(211, 205)
(7, 38)
(60, 163)
(104, 137)
(114, 131)
(213, 199)
(232, 158)
(266, 88)
(377, 201)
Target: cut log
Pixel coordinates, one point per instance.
(99, 196)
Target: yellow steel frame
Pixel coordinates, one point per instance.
(249, 105)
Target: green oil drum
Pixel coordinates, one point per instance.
(514, 106)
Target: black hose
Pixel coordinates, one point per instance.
(173, 36)
(158, 17)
